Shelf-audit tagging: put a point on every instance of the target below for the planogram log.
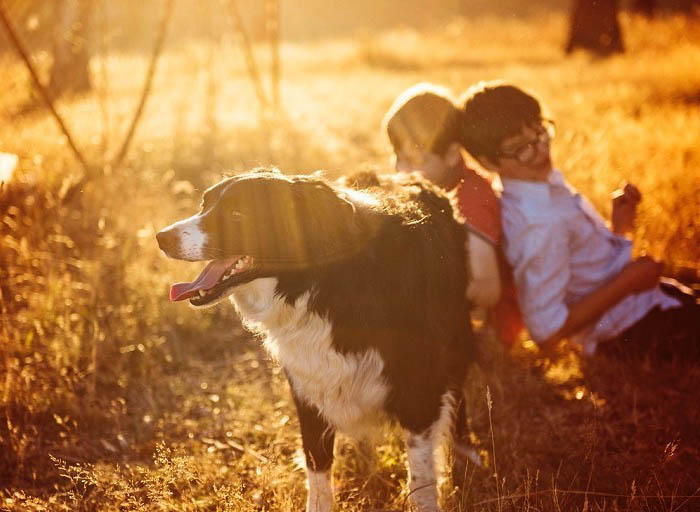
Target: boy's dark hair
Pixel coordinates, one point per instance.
(492, 112)
(426, 116)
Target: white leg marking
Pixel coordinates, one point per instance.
(320, 491)
(422, 480)
(444, 426)
(422, 475)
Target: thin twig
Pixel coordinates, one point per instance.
(116, 162)
(414, 490)
(248, 54)
(43, 92)
(687, 499)
(103, 90)
(273, 30)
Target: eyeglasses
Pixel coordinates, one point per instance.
(526, 152)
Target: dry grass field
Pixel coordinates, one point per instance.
(112, 398)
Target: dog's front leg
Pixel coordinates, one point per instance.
(421, 471)
(317, 436)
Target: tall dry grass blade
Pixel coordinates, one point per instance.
(489, 403)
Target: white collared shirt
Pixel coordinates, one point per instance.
(561, 251)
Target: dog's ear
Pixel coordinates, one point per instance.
(321, 202)
(311, 191)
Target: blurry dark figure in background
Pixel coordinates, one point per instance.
(644, 7)
(595, 27)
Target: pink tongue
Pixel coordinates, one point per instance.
(208, 278)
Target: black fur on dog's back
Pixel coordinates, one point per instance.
(403, 293)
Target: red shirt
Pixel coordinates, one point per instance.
(477, 202)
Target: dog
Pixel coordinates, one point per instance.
(360, 296)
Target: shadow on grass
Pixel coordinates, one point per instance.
(603, 433)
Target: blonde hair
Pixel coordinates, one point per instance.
(424, 115)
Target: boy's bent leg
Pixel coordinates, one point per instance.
(681, 325)
(671, 334)
(679, 291)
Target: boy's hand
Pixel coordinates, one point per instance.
(624, 209)
(642, 274)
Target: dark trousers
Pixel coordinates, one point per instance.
(672, 334)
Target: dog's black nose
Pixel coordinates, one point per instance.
(166, 239)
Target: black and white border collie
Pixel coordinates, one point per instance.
(360, 295)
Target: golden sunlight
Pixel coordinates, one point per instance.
(449, 262)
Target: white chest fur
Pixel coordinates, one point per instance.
(348, 389)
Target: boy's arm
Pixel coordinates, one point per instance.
(637, 276)
(480, 209)
(484, 288)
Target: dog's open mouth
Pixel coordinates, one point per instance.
(217, 277)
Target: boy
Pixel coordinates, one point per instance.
(575, 277)
(423, 126)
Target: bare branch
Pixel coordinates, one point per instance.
(273, 31)
(116, 162)
(43, 92)
(248, 53)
